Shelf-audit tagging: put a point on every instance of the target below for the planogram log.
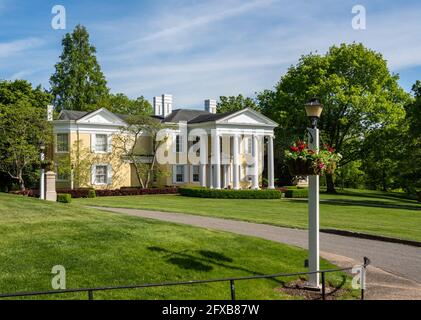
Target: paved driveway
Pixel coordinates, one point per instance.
(401, 261)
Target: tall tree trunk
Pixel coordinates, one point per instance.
(330, 184)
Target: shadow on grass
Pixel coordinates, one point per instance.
(366, 203)
(388, 196)
(204, 262)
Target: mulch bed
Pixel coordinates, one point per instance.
(298, 289)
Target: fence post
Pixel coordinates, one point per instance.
(323, 287)
(90, 295)
(232, 285)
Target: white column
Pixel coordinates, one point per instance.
(203, 159)
(217, 160)
(313, 218)
(210, 174)
(271, 173)
(225, 181)
(255, 149)
(236, 160)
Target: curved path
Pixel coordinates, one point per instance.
(393, 265)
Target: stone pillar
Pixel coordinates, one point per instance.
(236, 164)
(50, 186)
(255, 150)
(271, 172)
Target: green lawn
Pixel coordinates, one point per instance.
(376, 213)
(104, 249)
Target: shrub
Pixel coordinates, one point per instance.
(296, 193)
(230, 194)
(91, 193)
(64, 198)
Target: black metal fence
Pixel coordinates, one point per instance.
(231, 281)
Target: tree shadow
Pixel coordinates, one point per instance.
(214, 256)
(190, 264)
(205, 261)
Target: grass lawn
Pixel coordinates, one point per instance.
(105, 249)
(377, 213)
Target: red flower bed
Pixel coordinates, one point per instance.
(83, 193)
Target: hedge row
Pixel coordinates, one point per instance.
(230, 194)
(296, 193)
(91, 193)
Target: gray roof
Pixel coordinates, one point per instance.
(210, 117)
(71, 115)
(184, 115)
(188, 115)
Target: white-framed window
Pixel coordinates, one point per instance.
(195, 173)
(179, 173)
(248, 145)
(101, 174)
(62, 142)
(101, 143)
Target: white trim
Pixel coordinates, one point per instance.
(115, 119)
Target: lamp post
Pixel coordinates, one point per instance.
(313, 109)
(42, 174)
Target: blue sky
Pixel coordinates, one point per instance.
(204, 49)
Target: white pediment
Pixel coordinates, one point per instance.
(248, 117)
(101, 117)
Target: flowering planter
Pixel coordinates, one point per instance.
(300, 167)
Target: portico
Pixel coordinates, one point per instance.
(240, 148)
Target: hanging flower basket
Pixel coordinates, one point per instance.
(303, 161)
(301, 167)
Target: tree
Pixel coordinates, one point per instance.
(409, 173)
(359, 94)
(23, 128)
(121, 104)
(235, 103)
(129, 141)
(78, 82)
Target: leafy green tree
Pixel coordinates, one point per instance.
(78, 82)
(235, 103)
(130, 146)
(121, 104)
(23, 128)
(380, 155)
(409, 167)
(359, 94)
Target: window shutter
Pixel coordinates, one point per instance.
(93, 142)
(110, 143)
(109, 174)
(93, 173)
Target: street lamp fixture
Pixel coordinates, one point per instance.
(314, 110)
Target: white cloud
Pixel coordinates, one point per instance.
(9, 49)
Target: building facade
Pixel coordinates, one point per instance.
(203, 148)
